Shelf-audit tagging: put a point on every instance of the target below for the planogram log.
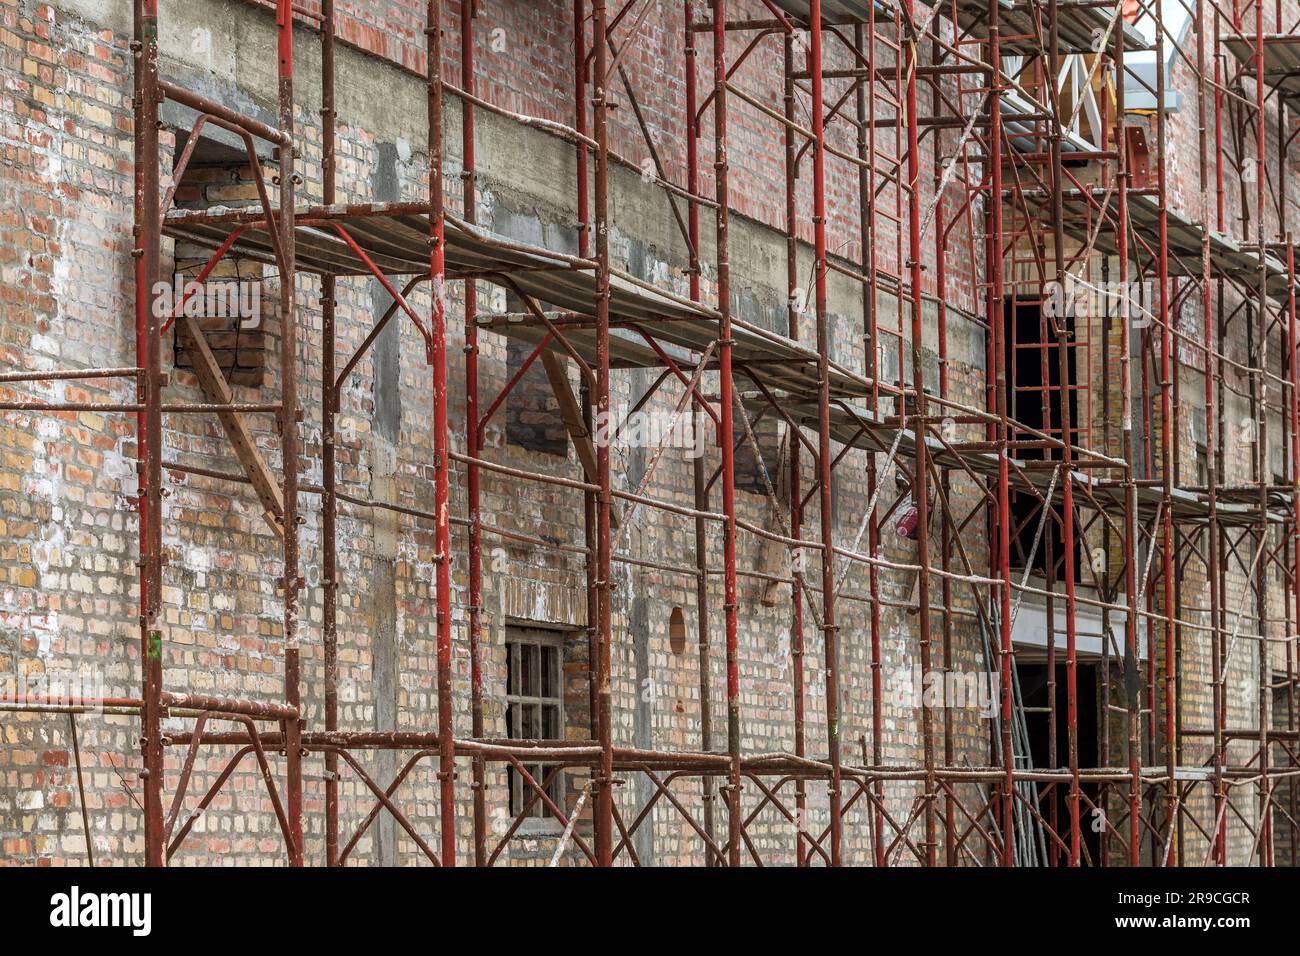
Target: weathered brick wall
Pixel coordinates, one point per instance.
(68, 534)
(1230, 202)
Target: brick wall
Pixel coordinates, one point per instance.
(67, 532)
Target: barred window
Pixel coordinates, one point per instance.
(534, 709)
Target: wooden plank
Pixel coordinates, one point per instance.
(571, 412)
(213, 382)
(776, 554)
(772, 562)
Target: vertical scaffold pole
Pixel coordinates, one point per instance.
(920, 480)
(1063, 337)
(726, 434)
(149, 422)
(290, 581)
(472, 446)
(604, 584)
(697, 465)
(442, 460)
(829, 628)
(796, 506)
(329, 478)
(1218, 844)
(1263, 466)
(1166, 438)
(996, 307)
(1133, 699)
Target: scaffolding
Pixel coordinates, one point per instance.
(960, 126)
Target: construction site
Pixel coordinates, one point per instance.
(687, 433)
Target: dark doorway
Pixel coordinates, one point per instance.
(1034, 686)
(1034, 400)
(1030, 344)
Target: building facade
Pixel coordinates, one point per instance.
(910, 703)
